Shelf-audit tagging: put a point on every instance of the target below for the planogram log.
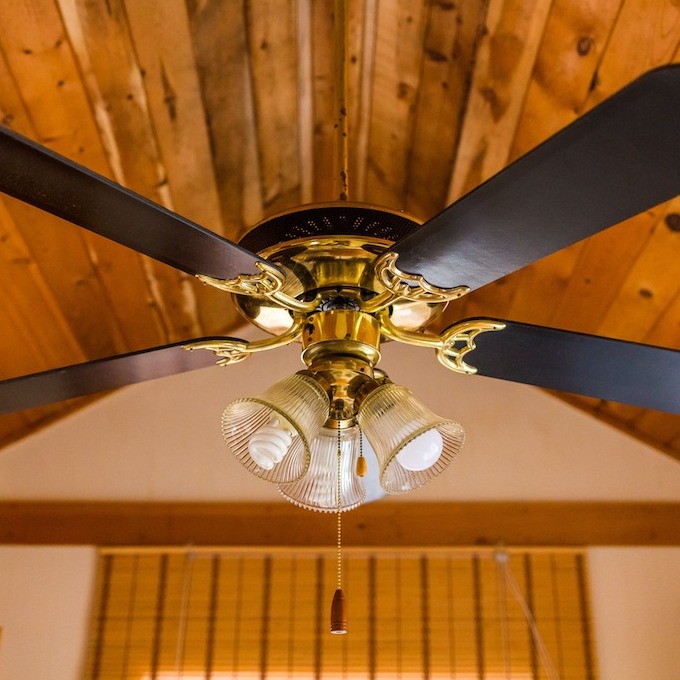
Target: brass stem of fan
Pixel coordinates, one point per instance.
(342, 151)
(341, 350)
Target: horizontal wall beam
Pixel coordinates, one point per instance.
(384, 523)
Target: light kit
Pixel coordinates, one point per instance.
(290, 434)
(349, 298)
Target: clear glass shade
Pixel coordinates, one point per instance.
(412, 444)
(270, 434)
(318, 488)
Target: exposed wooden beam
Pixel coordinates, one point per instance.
(387, 524)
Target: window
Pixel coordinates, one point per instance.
(261, 613)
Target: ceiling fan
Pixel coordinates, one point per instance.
(340, 278)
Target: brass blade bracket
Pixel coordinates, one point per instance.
(459, 340)
(268, 283)
(232, 350)
(451, 346)
(400, 285)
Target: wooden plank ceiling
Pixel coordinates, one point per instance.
(223, 111)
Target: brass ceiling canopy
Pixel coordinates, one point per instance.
(329, 252)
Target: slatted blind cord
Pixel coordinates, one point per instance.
(187, 570)
(503, 615)
(501, 560)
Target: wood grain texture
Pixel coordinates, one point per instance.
(504, 63)
(270, 35)
(378, 524)
(450, 43)
(224, 111)
(400, 29)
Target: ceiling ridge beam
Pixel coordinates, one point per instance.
(485, 523)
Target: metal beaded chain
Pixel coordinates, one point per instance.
(361, 442)
(339, 498)
(339, 526)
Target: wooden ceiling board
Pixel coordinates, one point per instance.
(320, 152)
(22, 283)
(271, 44)
(451, 39)
(218, 36)
(594, 283)
(205, 95)
(361, 25)
(503, 65)
(400, 30)
(573, 42)
(228, 112)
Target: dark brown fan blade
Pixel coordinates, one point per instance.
(78, 380)
(619, 159)
(38, 176)
(616, 370)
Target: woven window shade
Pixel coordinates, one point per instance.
(220, 614)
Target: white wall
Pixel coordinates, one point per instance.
(636, 612)
(45, 599)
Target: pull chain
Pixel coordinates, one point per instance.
(361, 461)
(338, 614)
(339, 515)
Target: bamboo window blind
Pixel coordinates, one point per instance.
(257, 613)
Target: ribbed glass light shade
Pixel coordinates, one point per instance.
(318, 488)
(297, 404)
(392, 419)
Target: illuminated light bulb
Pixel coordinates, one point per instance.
(422, 452)
(412, 444)
(270, 443)
(299, 405)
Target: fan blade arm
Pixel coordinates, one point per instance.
(589, 365)
(616, 161)
(48, 387)
(38, 176)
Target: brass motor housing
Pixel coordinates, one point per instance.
(330, 250)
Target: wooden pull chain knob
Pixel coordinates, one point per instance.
(338, 613)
